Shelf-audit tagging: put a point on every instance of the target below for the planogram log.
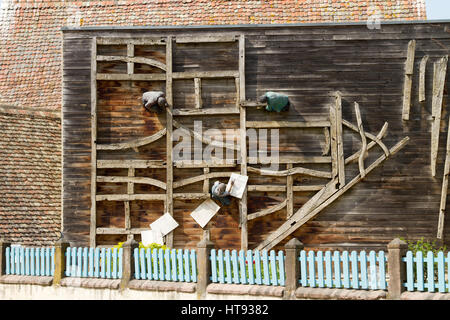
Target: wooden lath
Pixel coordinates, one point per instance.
(409, 70)
(444, 191)
(440, 72)
(337, 186)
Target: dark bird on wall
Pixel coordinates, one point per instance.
(218, 192)
(154, 101)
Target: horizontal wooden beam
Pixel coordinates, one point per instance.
(132, 77)
(139, 180)
(294, 159)
(252, 104)
(267, 211)
(140, 164)
(289, 172)
(205, 111)
(287, 124)
(123, 41)
(202, 177)
(120, 230)
(142, 60)
(205, 74)
(203, 39)
(276, 188)
(204, 164)
(130, 197)
(133, 143)
(191, 196)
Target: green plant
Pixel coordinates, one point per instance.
(425, 246)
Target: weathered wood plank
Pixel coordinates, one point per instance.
(169, 126)
(93, 220)
(141, 164)
(205, 74)
(440, 71)
(320, 201)
(130, 197)
(211, 175)
(267, 211)
(136, 41)
(205, 111)
(444, 191)
(363, 152)
(422, 74)
(135, 143)
(290, 192)
(290, 172)
(243, 144)
(120, 230)
(198, 93)
(206, 38)
(140, 180)
(339, 140)
(287, 124)
(131, 60)
(409, 69)
(131, 77)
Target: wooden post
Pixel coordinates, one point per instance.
(443, 205)
(292, 265)
(60, 261)
(396, 268)
(169, 126)
(204, 248)
(289, 192)
(409, 69)
(423, 66)
(93, 217)
(243, 143)
(3, 262)
(127, 262)
(440, 71)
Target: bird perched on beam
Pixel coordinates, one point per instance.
(154, 101)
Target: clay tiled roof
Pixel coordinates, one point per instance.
(30, 55)
(30, 179)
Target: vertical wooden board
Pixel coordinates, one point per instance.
(440, 72)
(169, 124)
(92, 236)
(243, 144)
(198, 93)
(409, 68)
(422, 78)
(444, 191)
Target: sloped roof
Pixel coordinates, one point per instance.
(30, 178)
(30, 55)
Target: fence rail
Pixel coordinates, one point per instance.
(30, 261)
(343, 270)
(86, 262)
(427, 273)
(250, 267)
(166, 265)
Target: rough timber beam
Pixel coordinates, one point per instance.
(443, 205)
(440, 71)
(319, 202)
(409, 69)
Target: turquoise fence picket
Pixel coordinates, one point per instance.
(29, 261)
(247, 267)
(427, 273)
(165, 265)
(84, 262)
(343, 270)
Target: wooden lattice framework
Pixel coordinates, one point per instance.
(332, 129)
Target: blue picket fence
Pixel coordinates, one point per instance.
(248, 267)
(30, 261)
(86, 262)
(165, 265)
(427, 273)
(343, 270)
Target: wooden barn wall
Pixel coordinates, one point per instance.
(400, 198)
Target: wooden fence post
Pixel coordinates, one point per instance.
(292, 266)
(127, 262)
(60, 261)
(204, 248)
(3, 262)
(396, 268)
